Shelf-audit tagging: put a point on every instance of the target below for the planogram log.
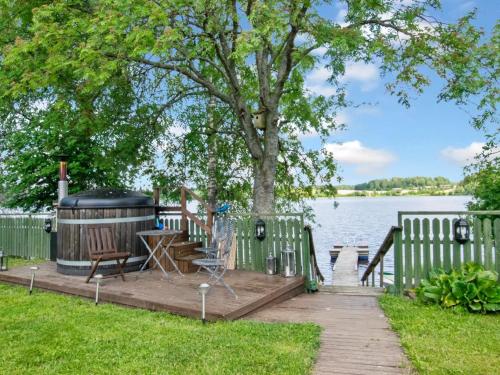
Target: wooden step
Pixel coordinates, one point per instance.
(185, 248)
(185, 263)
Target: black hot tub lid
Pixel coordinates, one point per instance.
(106, 198)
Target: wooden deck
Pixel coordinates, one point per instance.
(178, 295)
(356, 337)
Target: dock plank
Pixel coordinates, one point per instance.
(345, 271)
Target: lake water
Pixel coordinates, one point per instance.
(366, 219)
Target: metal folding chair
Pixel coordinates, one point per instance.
(217, 266)
(219, 234)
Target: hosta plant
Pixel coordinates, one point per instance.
(470, 287)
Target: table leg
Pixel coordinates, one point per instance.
(165, 252)
(152, 256)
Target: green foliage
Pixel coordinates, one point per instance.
(471, 287)
(485, 185)
(103, 128)
(483, 176)
(163, 56)
(444, 341)
(404, 183)
(50, 333)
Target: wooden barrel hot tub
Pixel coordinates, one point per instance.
(127, 211)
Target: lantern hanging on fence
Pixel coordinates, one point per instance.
(260, 229)
(4, 261)
(288, 262)
(47, 227)
(461, 231)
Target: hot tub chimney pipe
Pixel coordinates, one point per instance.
(62, 191)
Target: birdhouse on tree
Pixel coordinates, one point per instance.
(258, 119)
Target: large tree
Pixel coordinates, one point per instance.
(105, 131)
(252, 56)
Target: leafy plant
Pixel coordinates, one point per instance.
(472, 287)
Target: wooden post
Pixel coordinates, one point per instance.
(156, 195)
(398, 262)
(210, 223)
(382, 272)
(184, 223)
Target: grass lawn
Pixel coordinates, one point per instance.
(439, 341)
(18, 262)
(52, 333)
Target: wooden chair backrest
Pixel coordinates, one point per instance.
(101, 239)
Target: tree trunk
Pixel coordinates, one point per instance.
(212, 155)
(265, 169)
(263, 188)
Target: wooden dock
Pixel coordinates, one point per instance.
(356, 337)
(345, 269)
(177, 295)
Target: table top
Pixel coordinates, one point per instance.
(159, 232)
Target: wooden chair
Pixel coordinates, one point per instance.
(101, 247)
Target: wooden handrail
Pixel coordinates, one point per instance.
(199, 199)
(199, 222)
(316, 269)
(379, 256)
(185, 213)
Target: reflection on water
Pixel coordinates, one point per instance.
(364, 219)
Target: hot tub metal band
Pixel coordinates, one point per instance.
(110, 220)
(85, 263)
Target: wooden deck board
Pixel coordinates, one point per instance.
(178, 295)
(356, 337)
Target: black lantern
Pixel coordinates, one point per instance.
(47, 227)
(4, 261)
(260, 229)
(461, 231)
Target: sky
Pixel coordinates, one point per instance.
(386, 139)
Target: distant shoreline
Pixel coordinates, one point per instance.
(378, 195)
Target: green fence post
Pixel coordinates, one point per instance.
(488, 244)
(417, 260)
(407, 254)
(426, 242)
(496, 228)
(436, 244)
(477, 238)
(398, 262)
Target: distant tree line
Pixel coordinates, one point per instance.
(404, 183)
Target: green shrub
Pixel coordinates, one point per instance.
(471, 288)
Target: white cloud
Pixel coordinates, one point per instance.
(367, 160)
(320, 51)
(340, 17)
(317, 82)
(462, 156)
(366, 74)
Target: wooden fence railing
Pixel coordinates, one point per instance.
(426, 243)
(23, 235)
(281, 229)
